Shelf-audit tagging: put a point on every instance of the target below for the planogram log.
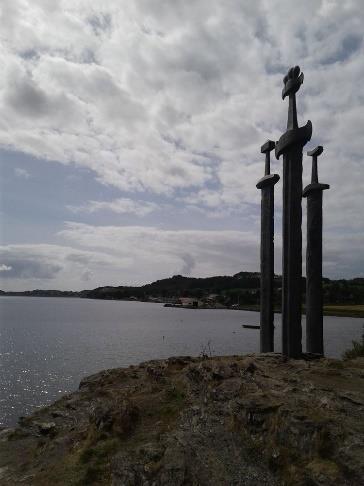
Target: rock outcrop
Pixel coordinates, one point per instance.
(238, 420)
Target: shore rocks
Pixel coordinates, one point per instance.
(47, 428)
(253, 420)
(119, 419)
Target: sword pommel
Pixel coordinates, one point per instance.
(292, 81)
(316, 151)
(314, 154)
(268, 146)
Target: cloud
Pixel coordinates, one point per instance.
(28, 262)
(172, 100)
(175, 97)
(22, 173)
(5, 268)
(125, 255)
(150, 253)
(27, 267)
(120, 206)
(158, 253)
(135, 255)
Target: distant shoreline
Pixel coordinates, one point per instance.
(342, 298)
(334, 310)
(356, 311)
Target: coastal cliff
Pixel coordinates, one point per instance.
(237, 420)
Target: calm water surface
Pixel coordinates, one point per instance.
(48, 344)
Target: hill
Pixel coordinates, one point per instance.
(241, 289)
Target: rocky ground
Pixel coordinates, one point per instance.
(238, 420)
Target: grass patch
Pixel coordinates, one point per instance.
(99, 451)
(175, 394)
(94, 472)
(94, 460)
(357, 351)
(17, 434)
(328, 310)
(173, 400)
(319, 469)
(344, 310)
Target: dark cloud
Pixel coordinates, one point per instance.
(28, 99)
(29, 269)
(78, 258)
(100, 23)
(64, 267)
(29, 54)
(349, 46)
(88, 56)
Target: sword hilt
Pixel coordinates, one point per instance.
(292, 83)
(266, 149)
(314, 154)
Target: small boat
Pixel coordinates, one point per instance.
(250, 326)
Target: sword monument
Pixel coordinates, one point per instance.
(266, 184)
(314, 300)
(290, 145)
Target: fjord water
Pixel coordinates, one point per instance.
(47, 345)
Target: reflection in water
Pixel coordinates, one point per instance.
(48, 344)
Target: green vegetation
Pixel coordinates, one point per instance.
(344, 310)
(341, 297)
(99, 451)
(242, 286)
(96, 458)
(329, 310)
(242, 290)
(357, 350)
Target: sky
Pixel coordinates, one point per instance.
(130, 135)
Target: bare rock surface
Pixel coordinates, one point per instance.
(236, 420)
